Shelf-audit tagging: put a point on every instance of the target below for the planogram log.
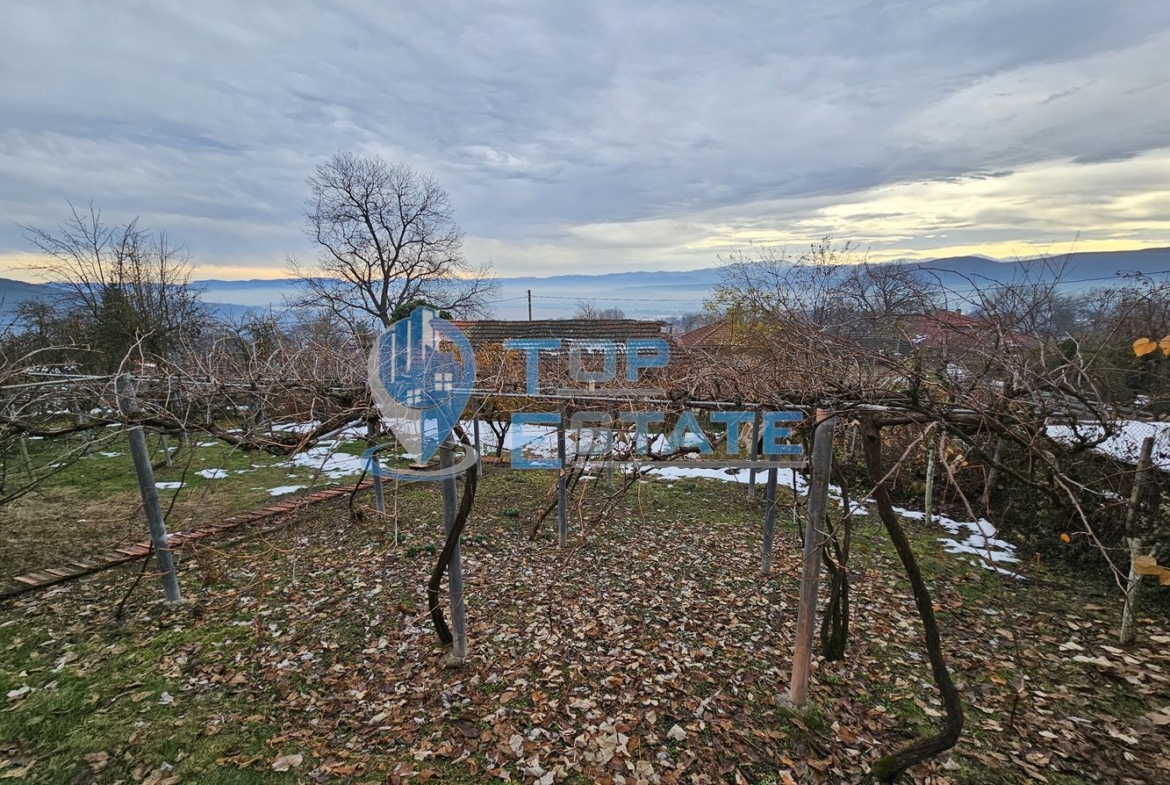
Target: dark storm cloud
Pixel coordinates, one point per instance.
(206, 117)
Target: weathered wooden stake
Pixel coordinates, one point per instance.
(455, 568)
(928, 500)
(154, 514)
(562, 501)
(814, 541)
(165, 446)
(28, 469)
(1137, 544)
(992, 474)
(769, 522)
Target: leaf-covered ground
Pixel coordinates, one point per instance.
(651, 651)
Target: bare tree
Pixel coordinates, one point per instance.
(386, 236)
(122, 286)
(587, 309)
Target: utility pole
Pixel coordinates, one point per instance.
(530, 305)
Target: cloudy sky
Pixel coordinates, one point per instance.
(598, 135)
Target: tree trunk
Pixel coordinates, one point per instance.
(891, 766)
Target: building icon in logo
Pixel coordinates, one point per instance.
(421, 373)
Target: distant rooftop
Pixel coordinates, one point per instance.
(491, 331)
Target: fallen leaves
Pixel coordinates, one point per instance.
(286, 762)
(655, 653)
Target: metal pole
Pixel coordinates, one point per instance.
(769, 521)
(530, 305)
(375, 469)
(814, 540)
(755, 454)
(154, 514)
(455, 568)
(475, 434)
(562, 504)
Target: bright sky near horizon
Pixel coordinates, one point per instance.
(600, 135)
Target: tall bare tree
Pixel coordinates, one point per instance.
(123, 286)
(386, 236)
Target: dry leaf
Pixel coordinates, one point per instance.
(286, 762)
(1143, 346)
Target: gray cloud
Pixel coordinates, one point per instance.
(206, 117)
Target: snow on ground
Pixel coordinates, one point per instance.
(295, 427)
(168, 486)
(213, 474)
(324, 458)
(281, 490)
(1125, 445)
(977, 539)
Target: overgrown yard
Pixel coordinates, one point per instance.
(651, 651)
(94, 504)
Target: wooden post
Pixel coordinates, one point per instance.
(28, 469)
(814, 541)
(928, 500)
(769, 522)
(165, 446)
(124, 388)
(1137, 545)
(79, 420)
(992, 475)
(175, 402)
(455, 568)
(562, 476)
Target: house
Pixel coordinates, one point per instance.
(954, 331)
(485, 332)
(589, 340)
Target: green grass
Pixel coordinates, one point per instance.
(92, 706)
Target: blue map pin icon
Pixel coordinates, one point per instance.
(421, 372)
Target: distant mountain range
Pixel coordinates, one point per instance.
(663, 294)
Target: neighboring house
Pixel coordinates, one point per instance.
(484, 332)
(956, 333)
(710, 336)
(724, 335)
(505, 370)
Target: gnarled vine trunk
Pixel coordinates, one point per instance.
(891, 766)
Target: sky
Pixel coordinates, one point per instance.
(598, 135)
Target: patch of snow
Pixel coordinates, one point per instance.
(213, 474)
(323, 458)
(284, 489)
(295, 427)
(1125, 444)
(168, 486)
(110, 454)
